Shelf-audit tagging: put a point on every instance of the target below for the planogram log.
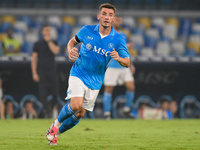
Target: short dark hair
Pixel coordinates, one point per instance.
(107, 5)
(45, 25)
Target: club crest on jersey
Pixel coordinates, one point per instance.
(89, 46)
(110, 45)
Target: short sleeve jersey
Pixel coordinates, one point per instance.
(45, 56)
(94, 56)
(114, 63)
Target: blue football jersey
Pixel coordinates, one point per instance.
(94, 56)
(114, 63)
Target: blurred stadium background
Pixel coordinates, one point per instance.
(165, 33)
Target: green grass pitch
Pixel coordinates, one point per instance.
(101, 134)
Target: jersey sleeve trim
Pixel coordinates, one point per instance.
(77, 39)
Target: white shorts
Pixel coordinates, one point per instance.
(115, 76)
(77, 88)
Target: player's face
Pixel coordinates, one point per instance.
(46, 31)
(106, 17)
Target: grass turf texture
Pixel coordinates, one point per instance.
(101, 134)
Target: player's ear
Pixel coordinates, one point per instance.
(98, 16)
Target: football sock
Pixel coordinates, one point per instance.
(107, 99)
(57, 124)
(69, 123)
(65, 113)
(129, 98)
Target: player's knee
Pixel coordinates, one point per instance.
(80, 113)
(75, 107)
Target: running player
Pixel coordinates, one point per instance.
(116, 74)
(100, 44)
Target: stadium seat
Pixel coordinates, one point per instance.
(145, 22)
(27, 48)
(147, 51)
(163, 49)
(28, 20)
(20, 37)
(54, 33)
(15, 104)
(54, 20)
(85, 20)
(20, 25)
(158, 21)
(195, 46)
(196, 28)
(117, 107)
(4, 26)
(63, 39)
(37, 104)
(144, 99)
(170, 31)
(137, 38)
(75, 31)
(184, 29)
(150, 42)
(65, 28)
(31, 36)
(178, 48)
(153, 33)
(69, 19)
(8, 19)
(2, 36)
(190, 53)
(189, 107)
(173, 21)
(129, 22)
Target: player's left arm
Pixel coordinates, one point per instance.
(125, 62)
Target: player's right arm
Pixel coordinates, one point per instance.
(72, 51)
(36, 77)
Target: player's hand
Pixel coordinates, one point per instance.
(114, 54)
(36, 77)
(73, 53)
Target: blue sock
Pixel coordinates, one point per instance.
(107, 99)
(129, 98)
(69, 123)
(65, 113)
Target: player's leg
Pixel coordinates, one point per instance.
(110, 81)
(107, 100)
(72, 121)
(66, 115)
(130, 86)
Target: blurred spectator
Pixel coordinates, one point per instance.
(9, 112)
(28, 110)
(11, 45)
(44, 70)
(167, 114)
(2, 107)
(173, 108)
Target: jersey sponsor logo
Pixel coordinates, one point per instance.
(101, 51)
(110, 45)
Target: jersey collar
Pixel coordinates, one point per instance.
(112, 32)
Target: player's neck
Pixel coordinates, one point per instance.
(104, 31)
